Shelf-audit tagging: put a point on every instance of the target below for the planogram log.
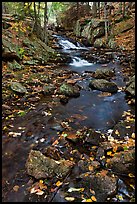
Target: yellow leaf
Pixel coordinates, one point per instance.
(91, 158)
(131, 175)
(88, 200)
(16, 188)
(41, 181)
(59, 183)
(117, 132)
(109, 153)
(133, 135)
(108, 160)
(90, 168)
(69, 198)
(132, 186)
(93, 198)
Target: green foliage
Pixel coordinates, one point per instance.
(20, 52)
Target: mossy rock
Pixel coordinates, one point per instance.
(17, 87)
(69, 90)
(103, 85)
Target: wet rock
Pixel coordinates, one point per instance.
(103, 185)
(64, 99)
(14, 65)
(100, 183)
(130, 87)
(103, 60)
(40, 166)
(69, 90)
(48, 89)
(57, 127)
(93, 137)
(99, 42)
(120, 130)
(123, 162)
(17, 87)
(103, 85)
(104, 73)
(109, 55)
(52, 152)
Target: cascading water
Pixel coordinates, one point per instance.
(78, 62)
(101, 112)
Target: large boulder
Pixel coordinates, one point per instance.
(101, 183)
(48, 89)
(123, 162)
(69, 90)
(103, 85)
(130, 87)
(104, 73)
(91, 30)
(40, 166)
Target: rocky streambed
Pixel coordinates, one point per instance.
(74, 141)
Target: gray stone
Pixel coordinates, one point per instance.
(48, 89)
(103, 85)
(104, 73)
(17, 87)
(123, 162)
(130, 87)
(40, 166)
(103, 185)
(69, 90)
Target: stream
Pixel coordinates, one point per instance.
(99, 112)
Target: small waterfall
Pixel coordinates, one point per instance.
(67, 45)
(78, 62)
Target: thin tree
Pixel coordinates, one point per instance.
(94, 9)
(77, 10)
(45, 24)
(105, 16)
(123, 10)
(99, 10)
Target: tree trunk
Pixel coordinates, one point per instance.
(77, 10)
(120, 7)
(110, 8)
(123, 9)
(39, 9)
(99, 10)
(94, 9)
(106, 26)
(45, 23)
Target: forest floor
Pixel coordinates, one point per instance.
(26, 114)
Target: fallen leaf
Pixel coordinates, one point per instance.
(16, 188)
(117, 132)
(75, 189)
(59, 183)
(92, 191)
(133, 135)
(39, 192)
(131, 175)
(90, 168)
(93, 198)
(69, 198)
(55, 142)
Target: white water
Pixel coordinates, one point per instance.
(69, 45)
(78, 62)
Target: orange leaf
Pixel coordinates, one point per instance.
(59, 183)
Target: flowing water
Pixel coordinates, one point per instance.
(100, 113)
